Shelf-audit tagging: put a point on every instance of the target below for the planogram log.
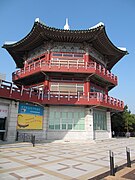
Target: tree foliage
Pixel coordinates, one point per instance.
(123, 121)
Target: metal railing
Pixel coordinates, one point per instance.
(124, 134)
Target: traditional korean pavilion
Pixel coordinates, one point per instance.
(68, 73)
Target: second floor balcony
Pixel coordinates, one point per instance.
(65, 66)
(8, 91)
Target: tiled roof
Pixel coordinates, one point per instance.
(40, 33)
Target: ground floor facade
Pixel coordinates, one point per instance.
(53, 122)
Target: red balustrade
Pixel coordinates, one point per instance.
(9, 91)
(65, 66)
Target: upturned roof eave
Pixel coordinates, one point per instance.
(51, 29)
(16, 49)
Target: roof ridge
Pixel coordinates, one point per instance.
(99, 25)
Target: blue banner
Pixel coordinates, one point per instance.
(30, 109)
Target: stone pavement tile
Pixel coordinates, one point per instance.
(102, 153)
(40, 149)
(18, 152)
(24, 151)
(92, 174)
(27, 173)
(120, 155)
(34, 160)
(66, 154)
(89, 150)
(15, 145)
(88, 158)
(9, 153)
(38, 158)
(82, 150)
(71, 168)
(116, 159)
(63, 161)
(6, 163)
(60, 148)
(100, 161)
(132, 152)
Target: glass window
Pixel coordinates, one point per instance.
(57, 54)
(63, 126)
(75, 115)
(56, 121)
(78, 55)
(95, 89)
(57, 114)
(2, 123)
(100, 122)
(76, 127)
(54, 88)
(68, 55)
(51, 120)
(51, 126)
(67, 87)
(70, 120)
(81, 127)
(69, 126)
(66, 120)
(51, 114)
(81, 114)
(64, 115)
(57, 126)
(82, 120)
(69, 115)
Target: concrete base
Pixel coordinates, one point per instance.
(52, 134)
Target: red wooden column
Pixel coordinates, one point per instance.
(46, 85)
(48, 56)
(106, 91)
(87, 58)
(25, 64)
(86, 87)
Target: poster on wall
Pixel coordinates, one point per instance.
(3, 111)
(29, 116)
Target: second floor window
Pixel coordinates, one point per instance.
(66, 88)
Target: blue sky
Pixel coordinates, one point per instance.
(17, 19)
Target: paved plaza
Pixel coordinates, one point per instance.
(61, 160)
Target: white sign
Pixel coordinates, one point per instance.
(3, 111)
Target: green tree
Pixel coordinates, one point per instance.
(129, 119)
(123, 121)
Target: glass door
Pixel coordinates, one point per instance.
(2, 128)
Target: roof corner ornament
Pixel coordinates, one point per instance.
(66, 27)
(122, 48)
(37, 20)
(97, 25)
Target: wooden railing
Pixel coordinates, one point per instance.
(57, 65)
(8, 90)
